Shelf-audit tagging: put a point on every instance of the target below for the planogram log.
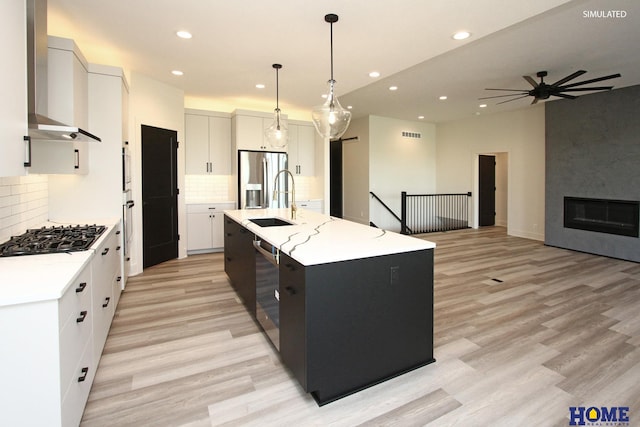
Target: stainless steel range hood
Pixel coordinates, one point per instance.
(40, 125)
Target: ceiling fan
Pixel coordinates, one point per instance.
(543, 90)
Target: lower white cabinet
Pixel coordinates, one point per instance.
(51, 348)
(205, 227)
(312, 205)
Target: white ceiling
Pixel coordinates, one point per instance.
(409, 42)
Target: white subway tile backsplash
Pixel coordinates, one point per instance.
(207, 188)
(24, 203)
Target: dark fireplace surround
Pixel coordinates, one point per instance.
(618, 217)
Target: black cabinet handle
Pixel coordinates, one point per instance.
(229, 234)
(290, 290)
(117, 248)
(106, 302)
(229, 259)
(77, 154)
(83, 315)
(106, 251)
(81, 287)
(27, 161)
(119, 279)
(83, 377)
(243, 230)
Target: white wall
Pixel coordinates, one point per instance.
(155, 104)
(355, 172)
(520, 134)
(398, 163)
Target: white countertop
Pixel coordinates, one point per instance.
(34, 278)
(318, 239)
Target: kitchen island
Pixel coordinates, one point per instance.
(351, 305)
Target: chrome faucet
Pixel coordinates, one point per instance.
(293, 191)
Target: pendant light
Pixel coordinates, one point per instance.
(277, 134)
(330, 119)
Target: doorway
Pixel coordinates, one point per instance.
(486, 190)
(335, 174)
(159, 195)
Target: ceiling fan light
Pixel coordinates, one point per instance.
(330, 119)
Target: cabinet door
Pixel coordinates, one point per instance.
(239, 262)
(301, 149)
(220, 145)
(59, 157)
(199, 231)
(217, 230)
(293, 345)
(197, 144)
(13, 80)
(249, 133)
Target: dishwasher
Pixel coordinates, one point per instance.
(267, 289)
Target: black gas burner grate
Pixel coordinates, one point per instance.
(56, 239)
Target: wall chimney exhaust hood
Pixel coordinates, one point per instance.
(40, 125)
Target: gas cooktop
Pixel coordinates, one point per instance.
(49, 240)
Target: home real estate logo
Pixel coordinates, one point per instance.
(602, 416)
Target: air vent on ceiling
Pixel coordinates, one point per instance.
(406, 134)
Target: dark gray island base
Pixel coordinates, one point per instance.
(346, 325)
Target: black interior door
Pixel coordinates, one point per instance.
(335, 173)
(159, 195)
(487, 190)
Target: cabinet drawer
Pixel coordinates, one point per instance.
(76, 299)
(73, 339)
(105, 261)
(76, 395)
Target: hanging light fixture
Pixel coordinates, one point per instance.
(330, 119)
(277, 134)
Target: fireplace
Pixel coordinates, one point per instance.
(602, 215)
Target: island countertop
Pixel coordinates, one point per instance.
(315, 238)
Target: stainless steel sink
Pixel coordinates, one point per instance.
(270, 222)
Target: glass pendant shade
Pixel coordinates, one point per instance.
(330, 119)
(277, 134)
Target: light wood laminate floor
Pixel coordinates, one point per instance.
(522, 332)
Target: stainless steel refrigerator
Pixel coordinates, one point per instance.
(257, 172)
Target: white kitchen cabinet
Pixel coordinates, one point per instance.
(312, 205)
(13, 81)
(301, 148)
(68, 104)
(105, 271)
(248, 130)
(205, 227)
(207, 142)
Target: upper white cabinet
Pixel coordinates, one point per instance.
(68, 103)
(301, 148)
(99, 193)
(248, 128)
(207, 142)
(13, 80)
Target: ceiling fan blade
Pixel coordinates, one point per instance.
(569, 77)
(598, 79)
(531, 81)
(564, 95)
(514, 99)
(585, 89)
(512, 90)
(502, 96)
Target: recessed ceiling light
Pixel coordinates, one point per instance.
(374, 74)
(442, 98)
(483, 105)
(177, 73)
(420, 117)
(184, 34)
(349, 107)
(260, 86)
(461, 35)
(324, 95)
(393, 87)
